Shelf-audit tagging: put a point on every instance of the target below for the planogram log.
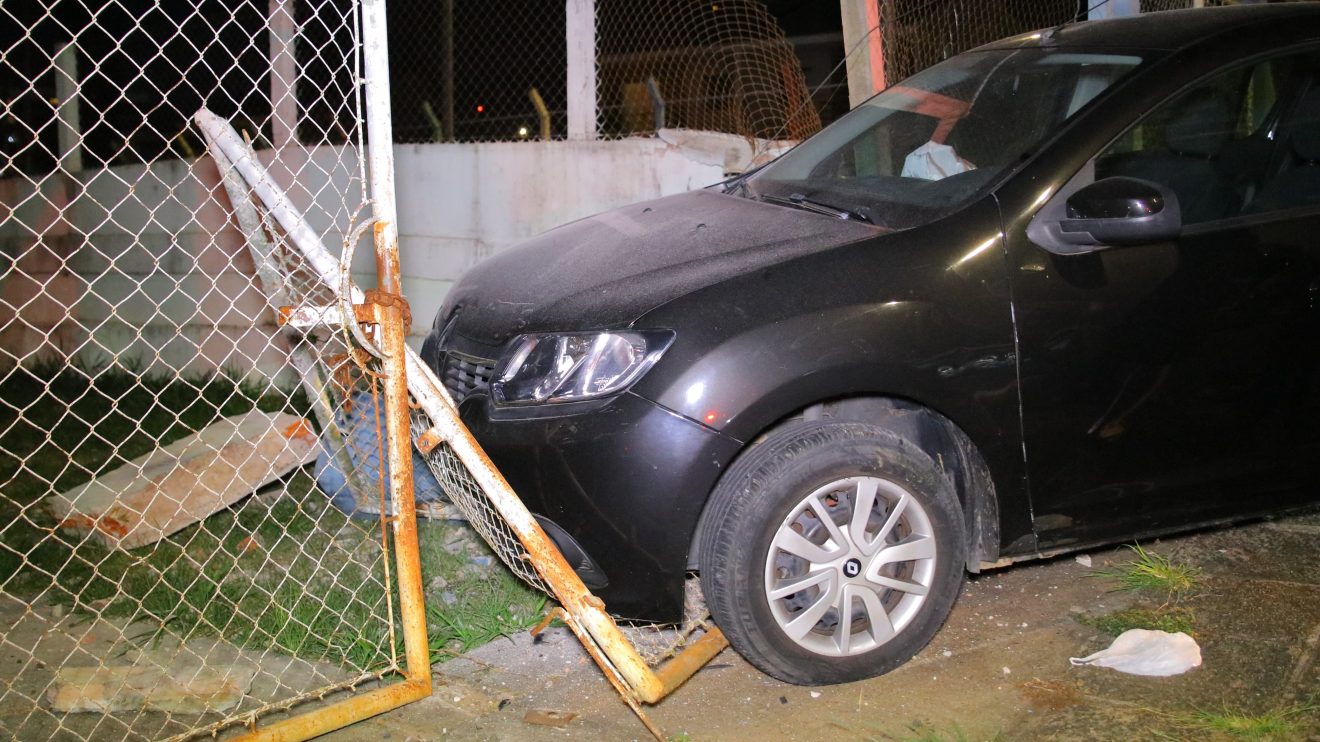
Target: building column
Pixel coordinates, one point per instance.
(580, 28)
(864, 45)
(283, 74)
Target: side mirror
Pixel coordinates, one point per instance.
(1121, 211)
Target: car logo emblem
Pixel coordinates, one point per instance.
(852, 568)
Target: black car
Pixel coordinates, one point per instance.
(1056, 292)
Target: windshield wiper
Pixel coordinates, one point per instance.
(738, 186)
(799, 201)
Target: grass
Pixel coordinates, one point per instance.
(1151, 571)
(921, 732)
(283, 572)
(1279, 725)
(1170, 619)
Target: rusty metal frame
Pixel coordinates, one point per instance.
(377, 321)
(387, 313)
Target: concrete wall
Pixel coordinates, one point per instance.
(143, 262)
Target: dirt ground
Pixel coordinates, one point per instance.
(998, 670)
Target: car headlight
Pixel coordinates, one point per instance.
(568, 367)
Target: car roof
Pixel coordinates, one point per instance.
(1170, 29)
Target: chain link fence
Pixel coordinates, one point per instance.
(465, 73)
(191, 498)
(644, 664)
(918, 33)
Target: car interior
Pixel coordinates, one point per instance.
(1247, 142)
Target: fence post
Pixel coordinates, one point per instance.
(66, 92)
(863, 42)
(391, 319)
(447, 72)
(580, 29)
(283, 73)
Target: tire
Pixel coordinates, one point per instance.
(770, 509)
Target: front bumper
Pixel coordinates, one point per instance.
(626, 478)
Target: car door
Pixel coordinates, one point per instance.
(1175, 382)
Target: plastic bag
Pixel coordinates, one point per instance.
(934, 161)
(1147, 652)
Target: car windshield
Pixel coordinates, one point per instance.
(925, 147)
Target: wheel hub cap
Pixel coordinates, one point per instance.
(850, 566)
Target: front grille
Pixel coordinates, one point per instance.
(464, 375)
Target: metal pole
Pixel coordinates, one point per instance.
(447, 71)
(390, 318)
(657, 102)
(283, 73)
(542, 113)
(66, 94)
(580, 30)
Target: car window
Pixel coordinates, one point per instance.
(1294, 179)
(929, 145)
(1211, 145)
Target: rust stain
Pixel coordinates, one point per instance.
(427, 442)
(77, 523)
(87, 524)
(301, 430)
(111, 527)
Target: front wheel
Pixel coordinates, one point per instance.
(832, 552)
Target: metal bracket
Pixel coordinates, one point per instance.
(429, 440)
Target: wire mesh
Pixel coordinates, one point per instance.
(464, 72)
(176, 555)
(469, 479)
(717, 66)
(918, 33)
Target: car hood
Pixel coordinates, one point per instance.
(607, 270)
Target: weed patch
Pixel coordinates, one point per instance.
(1170, 619)
(1151, 571)
(1279, 725)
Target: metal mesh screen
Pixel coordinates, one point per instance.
(655, 643)
(918, 33)
(464, 72)
(718, 66)
(188, 529)
(467, 478)
(464, 492)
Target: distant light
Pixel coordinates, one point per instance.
(481, 108)
(522, 131)
(714, 7)
(710, 417)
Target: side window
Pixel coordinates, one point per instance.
(1295, 177)
(1211, 145)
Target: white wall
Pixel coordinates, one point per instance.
(144, 262)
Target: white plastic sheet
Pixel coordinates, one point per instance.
(1147, 652)
(934, 161)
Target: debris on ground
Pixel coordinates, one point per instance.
(172, 487)
(124, 688)
(1084, 560)
(364, 438)
(548, 717)
(1147, 652)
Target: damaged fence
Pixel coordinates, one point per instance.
(644, 667)
(207, 493)
(195, 528)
